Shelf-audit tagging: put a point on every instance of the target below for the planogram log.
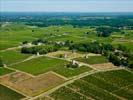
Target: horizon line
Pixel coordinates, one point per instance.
(58, 12)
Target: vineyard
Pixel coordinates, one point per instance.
(111, 85)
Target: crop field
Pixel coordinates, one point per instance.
(66, 56)
(4, 71)
(15, 34)
(65, 93)
(93, 59)
(41, 65)
(110, 85)
(8, 94)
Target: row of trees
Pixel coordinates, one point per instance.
(39, 49)
(36, 42)
(94, 47)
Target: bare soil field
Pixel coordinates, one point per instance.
(104, 66)
(32, 86)
(69, 54)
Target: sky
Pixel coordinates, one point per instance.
(66, 5)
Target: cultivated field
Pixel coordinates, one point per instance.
(44, 64)
(12, 56)
(8, 94)
(32, 86)
(40, 65)
(4, 71)
(93, 59)
(64, 63)
(103, 66)
(110, 85)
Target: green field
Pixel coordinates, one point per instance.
(108, 85)
(125, 92)
(8, 94)
(67, 94)
(100, 86)
(44, 64)
(93, 60)
(4, 71)
(14, 34)
(12, 56)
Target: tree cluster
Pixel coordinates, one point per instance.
(1, 62)
(106, 31)
(39, 49)
(119, 56)
(94, 47)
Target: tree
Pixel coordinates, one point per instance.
(1, 62)
(130, 65)
(25, 42)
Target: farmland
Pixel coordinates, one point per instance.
(12, 56)
(21, 81)
(66, 57)
(8, 94)
(4, 71)
(93, 60)
(43, 64)
(104, 85)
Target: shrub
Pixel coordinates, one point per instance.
(70, 65)
(1, 62)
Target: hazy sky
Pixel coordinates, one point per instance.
(67, 5)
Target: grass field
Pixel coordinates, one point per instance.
(44, 64)
(14, 34)
(110, 85)
(40, 65)
(4, 71)
(8, 94)
(12, 56)
(93, 60)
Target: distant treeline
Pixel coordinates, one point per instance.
(75, 19)
(88, 22)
